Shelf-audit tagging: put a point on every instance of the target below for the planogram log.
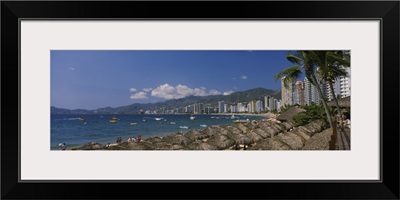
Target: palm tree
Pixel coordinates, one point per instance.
(307, 61)
(332, 66)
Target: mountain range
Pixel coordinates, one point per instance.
(236, 97)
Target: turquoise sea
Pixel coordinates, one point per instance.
(75, 132)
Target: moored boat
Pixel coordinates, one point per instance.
(172, 122)
(184, 127)
(192, 117)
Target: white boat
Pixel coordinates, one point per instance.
(184, 127)
(241, 121)
(203, 125)
(172, 122)
(192, 117)
(233, 117)
(158, 119)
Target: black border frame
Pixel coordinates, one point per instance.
(386, 11)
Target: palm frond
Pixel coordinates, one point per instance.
(288, 75)
(294, 58)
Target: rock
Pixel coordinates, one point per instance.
(92, 146)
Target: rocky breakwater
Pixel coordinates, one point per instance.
(254, 135)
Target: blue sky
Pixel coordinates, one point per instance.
(95, 79)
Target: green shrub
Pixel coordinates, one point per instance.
(313, 112)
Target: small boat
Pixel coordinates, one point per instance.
(241, 121)
(133, 123)
(113, 121)
(215, 126)
(144, 120)
(81, 118)
(233, 117)
(192, 117)
(212, 117)
(184, 127)
(172, 122)
(158, 119)
(203, 125)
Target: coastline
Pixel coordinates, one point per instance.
(134, 131)
(253, 135)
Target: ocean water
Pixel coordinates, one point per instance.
(96, 128)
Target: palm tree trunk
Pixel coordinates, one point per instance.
(328, 114)
(336, 101)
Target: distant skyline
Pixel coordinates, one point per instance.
(91, 79)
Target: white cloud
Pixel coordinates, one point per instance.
(71, 68)
(167, 91)
(139, 95)
(132, 89)
(214, 92)
(147, 89)
(228, 92)
(243, 77)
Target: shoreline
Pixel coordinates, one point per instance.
(254, 135)
(263, 117)
(245, 129)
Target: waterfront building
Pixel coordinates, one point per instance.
(259, 106)
(226, 108)
(221, 106)
(233, 108)
(287, 93)
(189, 109)
(278, 105)
(272, 103)
(266, 103)
(298, 95)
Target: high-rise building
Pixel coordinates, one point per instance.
(345, 84)
(272, 103)
(298, 95)
(249, 107)
(287, 93)
(278, 105)
(189, 109)
(196, 108)
(266, 103)
(226, 108)
(221, 106)
(259, 106)
(233, 109)
(307, 92)
(240, 107)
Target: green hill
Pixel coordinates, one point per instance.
(236, 97)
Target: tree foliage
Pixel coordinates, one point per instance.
(313, 112)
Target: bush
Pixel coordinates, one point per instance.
(313, 112)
